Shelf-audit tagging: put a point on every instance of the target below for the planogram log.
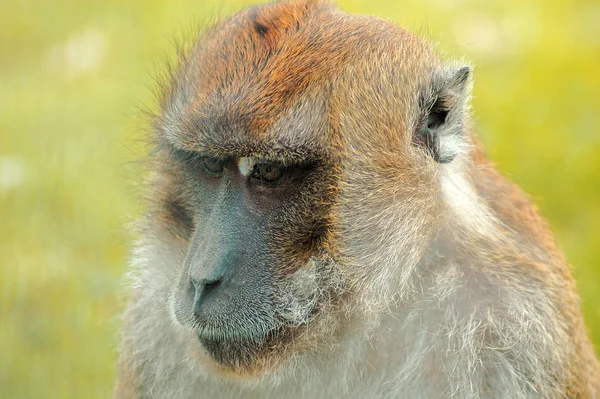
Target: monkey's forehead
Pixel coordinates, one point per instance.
(249, 70)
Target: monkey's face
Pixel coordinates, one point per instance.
(256, 256)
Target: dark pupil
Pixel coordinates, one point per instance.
(437, 117)
(267, 172)
(212, 166)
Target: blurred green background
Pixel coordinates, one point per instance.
(72, 74)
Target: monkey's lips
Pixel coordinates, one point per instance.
(236, 350)
(231, 334)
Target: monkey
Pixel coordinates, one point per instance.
(322, 222)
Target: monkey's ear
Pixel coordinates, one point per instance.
(443, 106)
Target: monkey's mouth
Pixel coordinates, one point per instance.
(235, 350)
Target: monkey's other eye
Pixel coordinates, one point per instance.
(212, 167)
(267, 173)
(437, 116)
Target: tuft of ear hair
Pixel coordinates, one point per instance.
(440, 129)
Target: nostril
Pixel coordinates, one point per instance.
(203, 288)
(211, 285)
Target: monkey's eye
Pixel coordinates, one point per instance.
(212, 167)
(437, 115)
(267, 173)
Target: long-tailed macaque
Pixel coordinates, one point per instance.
(323, 223)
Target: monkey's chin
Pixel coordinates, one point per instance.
(240, 356)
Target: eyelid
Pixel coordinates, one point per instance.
(246, 165)
(212, 166)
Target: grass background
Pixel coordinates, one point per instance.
(73, 72)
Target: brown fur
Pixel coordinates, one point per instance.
(230, 95)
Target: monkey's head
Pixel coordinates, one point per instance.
(297, 163)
